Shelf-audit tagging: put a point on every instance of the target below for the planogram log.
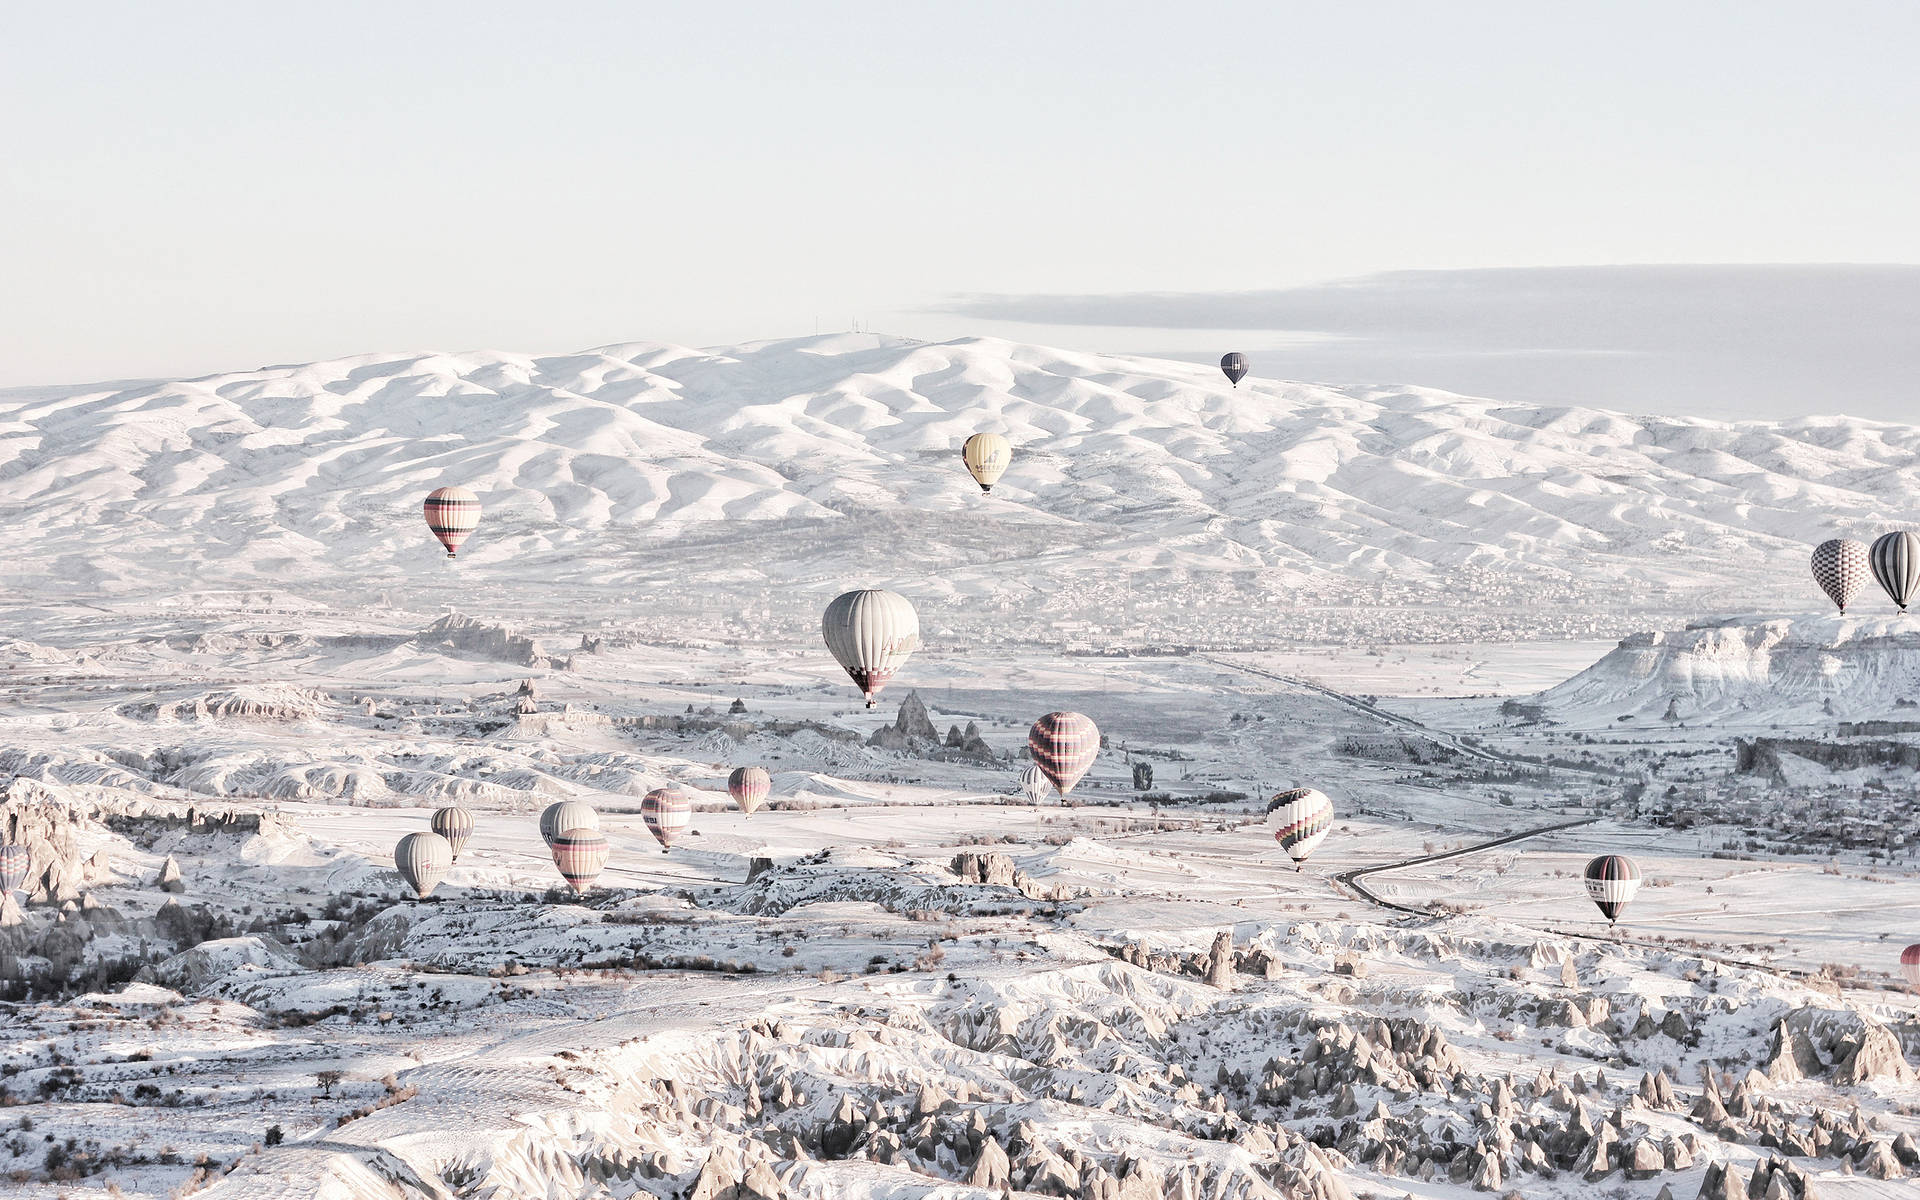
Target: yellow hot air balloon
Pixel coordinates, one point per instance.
(987, 456)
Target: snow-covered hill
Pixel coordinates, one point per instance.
(1753, 669)
(835, 458)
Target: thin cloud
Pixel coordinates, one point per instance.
(1715, 340)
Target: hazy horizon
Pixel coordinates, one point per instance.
(217, 188)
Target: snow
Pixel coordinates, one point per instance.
(232, 645)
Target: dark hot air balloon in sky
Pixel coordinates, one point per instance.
(1841, 569)
(1895, 558)
(1612, 879)
(1235, 367)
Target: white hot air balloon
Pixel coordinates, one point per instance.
(454, 824)
(987, 456)
(423, 860)
(872, 633)
(566, 814)
(1034, 784)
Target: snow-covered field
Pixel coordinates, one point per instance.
(237, 670)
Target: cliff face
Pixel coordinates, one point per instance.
(1853, 668)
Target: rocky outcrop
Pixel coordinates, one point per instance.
(497, 643)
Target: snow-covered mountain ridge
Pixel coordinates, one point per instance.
(836, 458)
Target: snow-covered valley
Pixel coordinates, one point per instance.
(237, 670)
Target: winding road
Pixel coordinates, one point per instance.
(1352, 878)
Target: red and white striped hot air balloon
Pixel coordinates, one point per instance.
(1910, 964)
(666, 812)
(581, 854)
(453, 513)
(14, 861)
(749, 787)
(1064, 745)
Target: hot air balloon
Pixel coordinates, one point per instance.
(1841, 567)
(423, 860)
(666, 812)
(1063, 745)
(987, 456)
(566, 814)
(454, 824)
(1234, 366)
(1299, 820)
(581, 854)
(749, 787)
(14, 861)
(872, 633)
(1896, 564)
(453, 513)
(1910, 964)
(1033, 783)
(1612, 879)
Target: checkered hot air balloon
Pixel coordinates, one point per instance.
(1612, 879)
(1841, 567)
(581, 854)
(872, 633)
(14, 862)
(454, 824)
(1064, 745)
(566, 814)
(987, 456)
(423, 860)
(666, 812)
(453, 513)
(1299, 820)
(1896, 564)
(749, 787)
(1910, 965)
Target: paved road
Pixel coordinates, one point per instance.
(1352, 878)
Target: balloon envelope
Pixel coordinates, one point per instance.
(666, 812)
(987, 456)
(423, 860)
(1234, 366)
(872, 633)
(749, 787)
(1064, 745)
(454, 824)
(1896, 564)
(581, 854)
(14, 861)
(1299, 820)
(566, 814)
(1910, 964)
(1612, 879)
(1841, 567)
(453, 513)
(1034, 783)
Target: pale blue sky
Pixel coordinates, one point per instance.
(195, 187)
